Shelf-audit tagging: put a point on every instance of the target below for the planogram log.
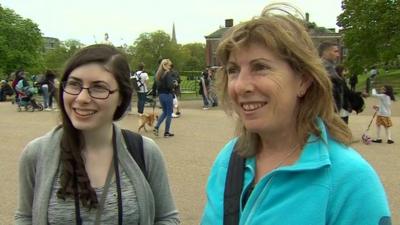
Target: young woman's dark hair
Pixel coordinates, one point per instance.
(73, 168)
(389, 92)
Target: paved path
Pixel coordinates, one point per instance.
(189, 155)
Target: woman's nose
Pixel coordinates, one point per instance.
(244, 82)
(84, 96)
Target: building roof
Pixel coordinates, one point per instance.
(218, 33)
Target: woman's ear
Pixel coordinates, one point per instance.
(305, 83)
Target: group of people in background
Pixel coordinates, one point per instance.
(24, 89)
(346, 99)
(291, 146)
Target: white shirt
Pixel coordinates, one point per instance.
(384, 103)
(143, 76)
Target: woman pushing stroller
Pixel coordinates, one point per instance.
(24, 93)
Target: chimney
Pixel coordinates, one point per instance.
(229, 23)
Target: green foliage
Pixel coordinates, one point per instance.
(194, 56)
(55, 58)
(20, 42)
(149, 48)
(371, 31)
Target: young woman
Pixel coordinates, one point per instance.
(297, 165)
(165, 87)
(81, 172)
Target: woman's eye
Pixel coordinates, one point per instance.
(74, 84)
(99, 88)
(232, 70)
(261, 67)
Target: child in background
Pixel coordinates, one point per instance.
(383, 116)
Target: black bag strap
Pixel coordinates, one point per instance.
(233, 188)
(134, 143)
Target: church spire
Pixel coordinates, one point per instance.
(173, 38)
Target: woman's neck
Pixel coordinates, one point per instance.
(99, 139)
(279, 141)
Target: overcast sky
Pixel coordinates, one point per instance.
(124, 20)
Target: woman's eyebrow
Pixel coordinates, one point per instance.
(93, 82)
(74, 78)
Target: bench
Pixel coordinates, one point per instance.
(189, 87)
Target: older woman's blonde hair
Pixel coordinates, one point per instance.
(286, 36)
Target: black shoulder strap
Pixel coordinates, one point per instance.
(233, 188)
(134, 143)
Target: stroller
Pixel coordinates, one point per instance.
(26, 100)
(151, 99)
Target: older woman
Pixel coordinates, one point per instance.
(292, 150)
(81, 172)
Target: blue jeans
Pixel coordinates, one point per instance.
(166, 101)
(45, 93)
(141, 101)
(205, 101)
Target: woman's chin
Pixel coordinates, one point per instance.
(254, 126)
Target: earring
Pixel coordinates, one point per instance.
(300, 94)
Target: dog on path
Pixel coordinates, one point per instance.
(147, 118)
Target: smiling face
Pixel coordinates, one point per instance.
(264, 89)
(85, 112)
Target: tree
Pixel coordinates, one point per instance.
(371, 31)
(149, 48)
(194, 54)
(20, 42)
(56, 58)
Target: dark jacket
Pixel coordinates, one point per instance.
(337, 84)
(166, 84)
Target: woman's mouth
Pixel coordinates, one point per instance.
(248, 107)
(84, 112)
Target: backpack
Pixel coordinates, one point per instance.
(136, 82)
(233, 188)
(134, 143)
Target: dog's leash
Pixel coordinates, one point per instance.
(154, 104)
(373, 117)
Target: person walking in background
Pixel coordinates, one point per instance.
(177, 92)
(204, 84)
(292, 153)
(353, 82)
(368, 86)
(165, 87)
(212, 91)
(82, 172)
(385, 98)
(142, 79)
(329, 53)
(373, 73)
(48, 88)
(346, 109)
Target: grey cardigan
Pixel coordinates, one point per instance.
(40, 160)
